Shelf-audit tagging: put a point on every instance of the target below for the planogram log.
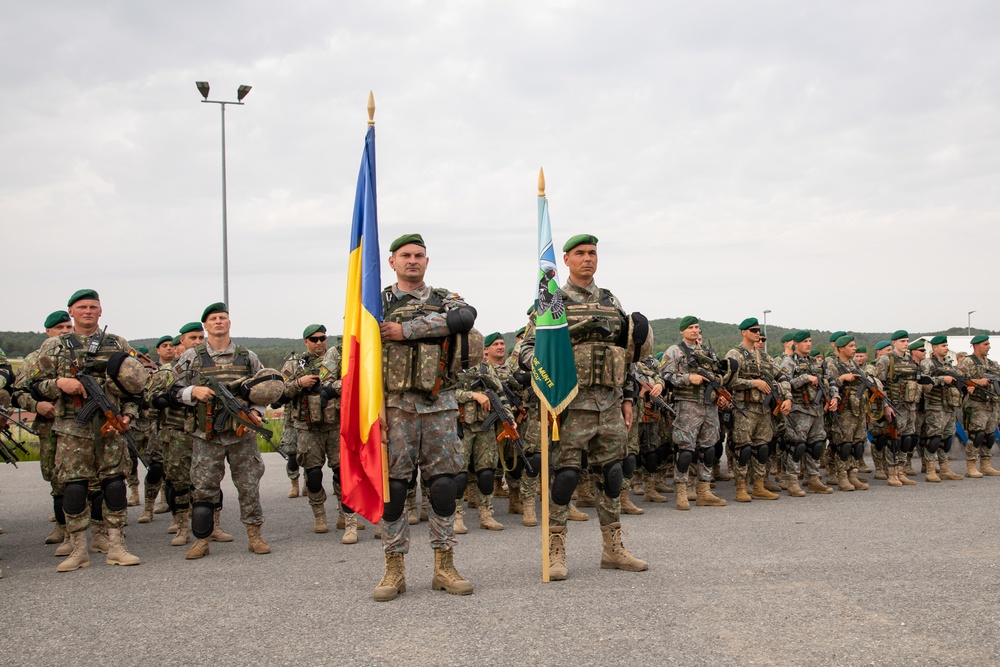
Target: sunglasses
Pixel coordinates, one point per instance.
(754, 329)
(316, 339)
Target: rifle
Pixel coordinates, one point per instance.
(874, 392)
(234, 408)
(4, 414)
(657, 401)
(508, 431)
(7, 454)
(771, 401)
(516, 402)
(724, 393)
(442, 369)
(98, 404)
(962, 383)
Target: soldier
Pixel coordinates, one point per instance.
(940, 401)
(422, 326)
(147, 442)
(495, 354)
(83, 455)
(211, 366)
(849, 419)
(877, 424)
(861, 359)
(289, 445)
(901, 376)
(753, 428)
(596, 422)
(918, 352)
(981, 407)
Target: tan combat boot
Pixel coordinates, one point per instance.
(783, 481)
(858, 483)
(908, 468)
(923, 466)
(425, 507)
(930, 474)
(99, 543)
(816, 485)
(198, 550)
(78, 557)
(57, 535)
(843, 484)
(147, 511)
(446, 577)
(794, 490)
(172, 528)
(720, 476)
(515, 506)
(161, 507)
(394, 580)
(881, 470)
(133, 495)
(903, 479)
(499, 490)
(948, 473)
(486, 520)
(557, 553)
(639, 483)
(529, 518)
(681, 499)
(219, 535)
(66, 548)
(117, 553)
(971, 470)
(741, 491)
(585, 493)
(653, 495)
(577, 515)
(771, 486)
(256, 543)
(627, 506)
(706, 498)
(892, 476)
(350, 535)
(341, 519)
(660, 482)
(692, 492)
(294, 493)
(986, 468)
(183, 535)
(460, 527)
(758, 492)
(319, 519)
(615, 556)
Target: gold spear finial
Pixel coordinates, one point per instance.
(541, 182)
(371, 108)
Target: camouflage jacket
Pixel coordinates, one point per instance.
(319, 404)
(471, 381)
(798, 369)
(899, 373)
(974, 368)
(677, 369)
(940, 394)
(755, 366)
(187, 373)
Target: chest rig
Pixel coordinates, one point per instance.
(598, 332)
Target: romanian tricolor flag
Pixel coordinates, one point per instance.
(361, 471)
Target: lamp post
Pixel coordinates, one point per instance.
(969, 329)
(765, 330)
(241, 92)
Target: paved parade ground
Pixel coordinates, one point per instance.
(884, 576)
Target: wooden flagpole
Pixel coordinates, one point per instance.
(543, 474)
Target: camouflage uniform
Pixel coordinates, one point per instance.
(982, 409)
(290, 445)
(696, 427)
(174, 443)
(940, 401)
(848, 432)
(529, 429)
(755, 428)
(804, 424)
(899, 373)
(26, 374)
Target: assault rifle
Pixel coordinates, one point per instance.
(516, 402)
(508, 431)
(7, 449)
(719, 389)
(657, 401)
(771, 401)
(98, 404)
(234, 408)
(873, 391)
(5, 414)
(964, 384)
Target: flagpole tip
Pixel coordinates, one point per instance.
(371, 108)
(541, 182)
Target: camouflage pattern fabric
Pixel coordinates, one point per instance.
(208, 466)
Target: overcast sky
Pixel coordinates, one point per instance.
(836, 163)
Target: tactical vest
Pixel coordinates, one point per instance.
(851, 393)
(596, 330)
(750, 370)
(806, 394)
(471, 412)
(979, 393)
(227, 374)
(943, 394)
(697, 359)
(309, 406)
(170, 418)
(903, 372)
(85, 355)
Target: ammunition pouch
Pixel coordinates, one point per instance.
(599, 364)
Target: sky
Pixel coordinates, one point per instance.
(834, 163)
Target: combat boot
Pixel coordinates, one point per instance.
(394, 580)
(771, 486)
(117, 553)
(816, 485)
(908, 468)
(460, 528)
(99, 542)
(930, 474)
(858, 483)
(923, 465)
(627, 506)
(499, 490)
(198, 550)
(653, 495)
(863, 467)
(881, 472)
(557, 553)
(639, 483)
(78, 557)
(529, 518)
(986, 468)
(446, 577)
(57, 535)
(256, 543)
(585, 494)
(350, 535)
(319, 519)
(486, 520)
(948, 473)
(759, 492)
(706, 498)
(741, 491)
(219, 535)
(133, 495)
(183, 535)
(161, 507)
(901, 476)
(783, 481)
(842, 483)
(615, 556)
(892, 477)
(172, 528)
(412, 513)
(692, 494)
(660, 483)
(971, 470)
(682, 496)
(66, 548)
(794, 490)
(515, 506)
(147, 511)
(718, 475)
(294, 493)
(577, 515)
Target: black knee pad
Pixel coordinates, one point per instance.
(536, 465)
(708, 456)
(583, 461)
(933, 444)
(335, 474)
(75, 497)
(798, 451)
(844, 450)
(977, 438)
(880, 442)
(650, 462)
(394, 505)
(222, 497)
(720, 449)
(176, 493)
(135, 465)
(663, 453)
(441, 491)
(684, 459)
(154, 475)
(461, 483)
(628, 466)
(859, 450)
(763, 453)
(314, 479)
(515, 468)
(906, 443)
(202, 519)
(990, 440)
(815, 449)
(946, 444)
(97, 506)
(292, 464)
(564, 484)
(170, 494)
(115, 494)
(612, 478)
(484, 481)
(57, 509)
(744, 455)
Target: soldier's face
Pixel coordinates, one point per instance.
(804, 348)
(940, 351)
(860, 358)
(981, 349)
(497, 351)
(59, 329)
(192, 338)
(901, 345)
(918, 355)
(849, 350)
(86, 313)
(692, 334)
(165, 352)
(582, 262)
(409, 262)
(316, 344)
(217, 324)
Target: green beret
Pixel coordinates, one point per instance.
(881, 345)
(81, 294)
(916, 345)
(939, 340)
(520, 332)
(748, 322)
(659, 355)
(55, 318)
(815, 353)
(407, 239)
(843, 340)
(492, 338)
(788, 337)
(192, 326)
(980, 338)
(217, 307)
(688, 321)
(861, 349)
(837, 334)
(164, 339)
(176, 341)
(142, 350)
(899, 333)
(800, 336)
(580, 239)
(311, 329)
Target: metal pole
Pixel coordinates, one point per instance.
(969, 329)
(225, 232)
(765, 330)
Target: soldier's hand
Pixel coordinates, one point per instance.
(391, 330)
(657, 390)
(696, 379)
(760, 385)
(71, 386)
(482, 399)
(848, 377)
(255, 418)
(786, 407)
(307, 381)
(947, 379)
(813, 380)
(627, 413)
(889, 413)
(833, 404)
(723, 403)
(203, 394)
(46, 409)
(982, 382)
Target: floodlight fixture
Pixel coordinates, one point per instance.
(241, 92)
(202, 88)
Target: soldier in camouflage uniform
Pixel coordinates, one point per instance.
(877, 425)
(753, 428)
(83, 455)
(982, 407)
(849, 419)
(289, 445)
(495, 354)
(696, 428)
(147, 443)
(900, 375)
(606, 344)
(940, 400)
(423, 332)
(231, 365)
(861, 359)
(918, 352)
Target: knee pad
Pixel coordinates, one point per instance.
(135, 465)
(97, 506)
(564, 484)
(75, 497)
(744, 455)
(170, 494)
(115, 494)
(663, 453)
(536, 465)
(612, 478)
(202, 519)
(461, 482)
(859, 450)
(484, 481)
(946, 444)
(816, 449)
(844, 450)
(683, 460)
(798, 450)
(990, 440)
(628, 466)
(335, 474)
(708, 456)
(413, 480)
(763, 453)
(441, 491)
(57, 509)
(906, 443)
(719, 449)
(314, 479)
(650, 462)
(292, 464)
(978, 438)
(393, 508)
(177, 492)
(932, 444)
(154, 475)
(515, 468)
(222, 497)
(880, 442)
(583, 461)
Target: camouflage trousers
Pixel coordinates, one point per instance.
(78, 457)
(696, 427)
(315, 446)
(289, 446)
(531, 431)
(979, 416)
(939, 422)
(754, 429)
(176, 448)
(428, 441)
(47, 454)
(149, 445)
(479, 452)
(905, 419)
(848, 427)
(208, 466)
(803, 426)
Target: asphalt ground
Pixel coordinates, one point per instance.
(885, 576)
